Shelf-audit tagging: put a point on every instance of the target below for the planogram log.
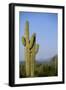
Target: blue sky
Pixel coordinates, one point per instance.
(46, 29)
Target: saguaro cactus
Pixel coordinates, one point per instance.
(31, 48)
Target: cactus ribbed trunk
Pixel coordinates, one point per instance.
(31, 48)
(33, 61)
(27, 62)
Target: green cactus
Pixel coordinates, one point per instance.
(37, 48)
(32, 40)
(31, 48)
(23, 41)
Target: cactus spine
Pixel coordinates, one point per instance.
(31, 48)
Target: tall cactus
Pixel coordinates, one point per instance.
(31, 48)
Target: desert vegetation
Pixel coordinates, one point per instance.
(42, 68)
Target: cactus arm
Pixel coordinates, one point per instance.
(32, 41)
(37, 48)
(23, 41)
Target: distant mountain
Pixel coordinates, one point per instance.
(49, 60)
(54, 59)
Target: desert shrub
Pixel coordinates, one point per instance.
(22, 70)
(42, 69)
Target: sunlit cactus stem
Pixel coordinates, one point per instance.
(31, 48)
